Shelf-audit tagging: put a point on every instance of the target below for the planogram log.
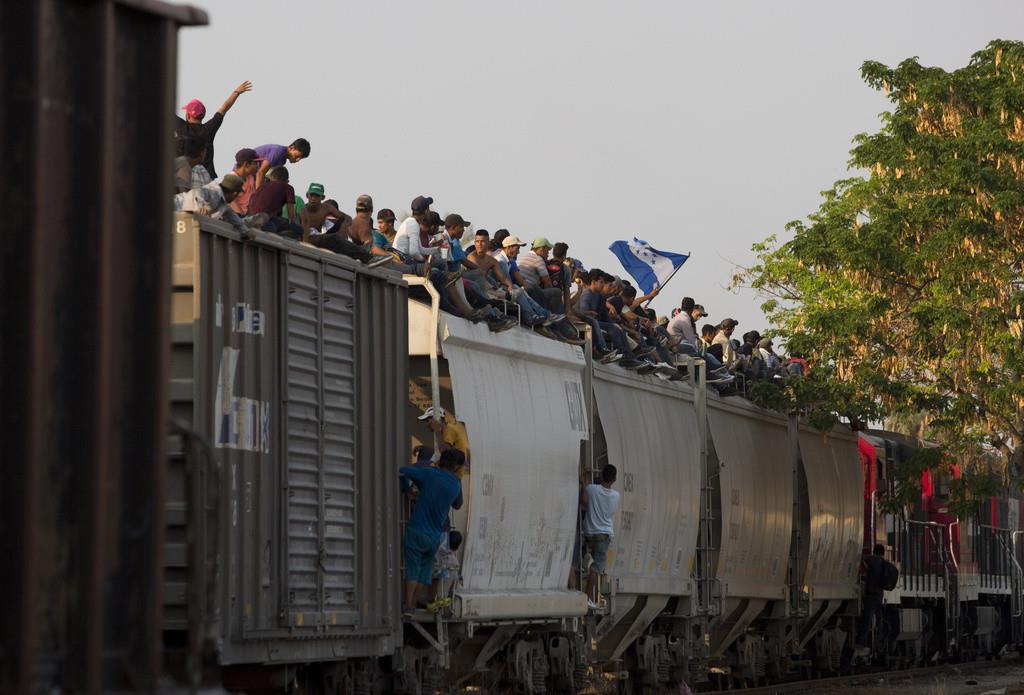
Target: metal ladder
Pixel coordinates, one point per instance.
(706, 599)
(1016, 585)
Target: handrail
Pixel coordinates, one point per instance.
(435, 387)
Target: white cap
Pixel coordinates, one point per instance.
(429, 413)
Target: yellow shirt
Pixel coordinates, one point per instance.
(454, 435)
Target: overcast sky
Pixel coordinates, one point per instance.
(699, 127)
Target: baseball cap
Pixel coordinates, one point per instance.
(455, 220)
(429, 413)
(512, 240)
(195, 109)
(540, 242)
(728, 323)
(577, 264)
(434, 218)
(386, 214)
(315, 189)
(700, 307)
(247, 155)
(232, 183)
(420, 203)
(364, 203)
(765, 343)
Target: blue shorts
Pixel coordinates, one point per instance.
(419, 556)
(598, 546)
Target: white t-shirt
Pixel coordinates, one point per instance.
(681, 324)
(601, 505)
(407, 240)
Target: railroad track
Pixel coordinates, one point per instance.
(872, 676)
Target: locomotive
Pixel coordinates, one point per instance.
(298, 379)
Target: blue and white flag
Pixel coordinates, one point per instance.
(647, 265)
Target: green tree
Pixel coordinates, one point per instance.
(904, 288)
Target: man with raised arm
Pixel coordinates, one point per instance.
(192, 125)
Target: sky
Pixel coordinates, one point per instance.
(700, 127)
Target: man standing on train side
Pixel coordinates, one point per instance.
(874, 578)
(600, 501)
(439, 491)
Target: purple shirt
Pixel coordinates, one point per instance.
(277, 155)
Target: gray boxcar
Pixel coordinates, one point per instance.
(288, 369)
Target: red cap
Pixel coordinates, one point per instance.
(195, 109)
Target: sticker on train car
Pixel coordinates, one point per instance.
(239, 422)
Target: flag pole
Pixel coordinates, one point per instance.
(671, 275)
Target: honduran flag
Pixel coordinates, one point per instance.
(646, 264)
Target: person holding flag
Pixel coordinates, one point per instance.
(651, 268)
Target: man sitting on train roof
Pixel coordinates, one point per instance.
(498, 285)
(439, 491)
(591, 309)
(189, 171)
(276, 193)
(725, 330)
(212, 201)
(247, 163)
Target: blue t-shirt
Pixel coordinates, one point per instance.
(594, 301)
(439, 490)
(380, 240)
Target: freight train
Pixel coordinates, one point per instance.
(297, 379)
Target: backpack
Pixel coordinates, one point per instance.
(556, 270)
(890, 576)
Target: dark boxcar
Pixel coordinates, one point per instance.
(288, 370)
(88, 91)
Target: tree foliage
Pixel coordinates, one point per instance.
(904, 288)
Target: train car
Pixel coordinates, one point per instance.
(288, 364)
(959, 592)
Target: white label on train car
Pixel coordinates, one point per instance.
(239, 422)
(245, 319)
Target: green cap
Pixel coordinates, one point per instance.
(232, 183)
(315, 189)
(539, 242)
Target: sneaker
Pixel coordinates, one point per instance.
(720, 379)
(499, 325)
(553, 318)
(629, 363)
(379, 261)
(663, 377)
(646, 367)
(574, 341)
(541, 330)
(644, 351)
(435, 606)
(591, 605)
(610, 357)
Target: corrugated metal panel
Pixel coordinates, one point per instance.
(659, 468)
(381, 396)
(832, 468)
(84, 263)
(520, 397)
(279, 334)
(321, 554)
(756, 478)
